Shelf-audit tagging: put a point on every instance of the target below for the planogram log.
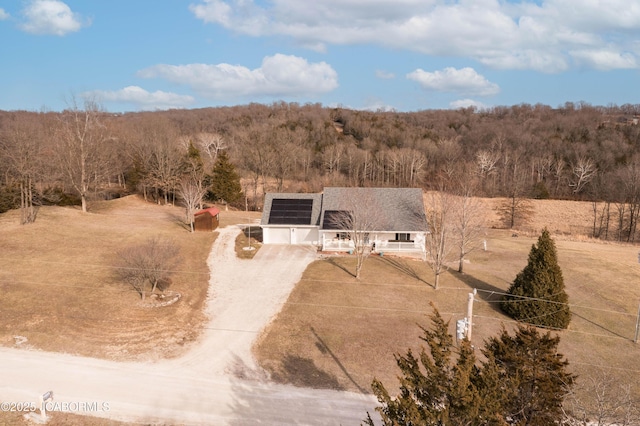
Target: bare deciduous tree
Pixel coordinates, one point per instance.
(191, 192)
(148, 265)
(486, 165)
(81, 153)
(583, 170)
(357, 221)
(438, 241)
(469, 225)
(21, 151)
(211, 144)
(601, 400)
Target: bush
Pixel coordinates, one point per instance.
(57, 197)
(9, 198)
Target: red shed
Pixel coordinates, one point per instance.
(207, 219)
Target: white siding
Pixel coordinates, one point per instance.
(289, 235)
(305, 236)
(276, 235)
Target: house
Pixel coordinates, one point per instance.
(291, 218)
(207, 219)
(387, 219)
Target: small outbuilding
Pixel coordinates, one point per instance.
(207, 219)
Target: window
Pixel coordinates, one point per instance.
(343, 236)
(404, 237)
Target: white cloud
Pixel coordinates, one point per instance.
(50, 17)
(279, 75)
(466, 103)
(143, 99)
(385, 75)
(604, 59)
(3, 15)
(532, 34)
(464, 81)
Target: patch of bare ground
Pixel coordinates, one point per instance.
(60, 292)
(348, 330)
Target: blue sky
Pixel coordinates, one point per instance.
(405, 55)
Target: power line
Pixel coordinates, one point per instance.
(614, 336)
(99, 266)
(526, 298)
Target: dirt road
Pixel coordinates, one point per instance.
(216, 383)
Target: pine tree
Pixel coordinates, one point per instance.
(537, 295)
(225, 181)
(434, 389)
(523, 381)
(192, 163)
(524, 378)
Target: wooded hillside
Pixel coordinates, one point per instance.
(577, 151)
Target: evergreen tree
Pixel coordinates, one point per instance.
(434, 389)
(225, 181)
(537, 295)
(192, 163)
(524, 378)
(522, 382)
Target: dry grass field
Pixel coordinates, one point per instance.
(60, 292)
(338, 332)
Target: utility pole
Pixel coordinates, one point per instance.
(470, 313)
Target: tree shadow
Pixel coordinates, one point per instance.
(486, 292)
(303, 372)
(324, 348)
(262, 402)
(403, 267)
(334, 262)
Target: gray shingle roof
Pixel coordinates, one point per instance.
(397, 209)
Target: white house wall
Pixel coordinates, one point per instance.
(289, 235)
(305, 236)
(276, 235)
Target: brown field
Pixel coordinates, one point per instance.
(60, 293)
(338, 332)
(59, 290)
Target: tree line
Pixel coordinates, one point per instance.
(576, 151)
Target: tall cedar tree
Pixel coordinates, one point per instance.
(225, 181)
(523, 381)
(434, 389)
(537, 295)
(524, 378)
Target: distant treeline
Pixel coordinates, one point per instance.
(577, 151)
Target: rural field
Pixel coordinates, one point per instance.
(60, 293)
(338, 332)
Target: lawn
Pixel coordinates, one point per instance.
(338, 332)
(60, 292)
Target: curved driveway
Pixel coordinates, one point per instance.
(217, 382)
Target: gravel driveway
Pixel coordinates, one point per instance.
(202, 387)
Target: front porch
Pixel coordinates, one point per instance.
(376, 246)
